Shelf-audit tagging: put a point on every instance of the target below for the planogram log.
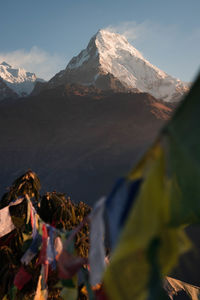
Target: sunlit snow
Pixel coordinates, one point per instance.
(18, 80)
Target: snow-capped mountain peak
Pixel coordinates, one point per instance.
(110, 62)
(17, 79)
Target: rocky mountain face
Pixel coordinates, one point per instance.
(6, 92)
(78, 139)
(110, 63)
(17, 82)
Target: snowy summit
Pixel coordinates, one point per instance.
(18, 80)
(110, 57)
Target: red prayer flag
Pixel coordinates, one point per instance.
(21, 278)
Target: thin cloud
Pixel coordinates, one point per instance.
(42, 63)
(131, 30)
(145, 31)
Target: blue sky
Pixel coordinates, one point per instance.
(43, 35)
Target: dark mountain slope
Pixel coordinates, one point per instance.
(77, 140)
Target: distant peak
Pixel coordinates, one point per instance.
(17, 79)
(6, 65)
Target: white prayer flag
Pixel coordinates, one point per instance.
(6, 224)
(97, 248)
